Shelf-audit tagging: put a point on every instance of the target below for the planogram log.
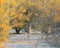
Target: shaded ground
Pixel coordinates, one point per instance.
(32, 40)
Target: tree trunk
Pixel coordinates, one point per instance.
(28, 27)
(17, 30)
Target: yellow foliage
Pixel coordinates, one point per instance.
(57, 18)
(1, 1)
(22, 9)
(29, 3)
(1, 46)
(3, 39)
(14, 3)
(57, 1)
